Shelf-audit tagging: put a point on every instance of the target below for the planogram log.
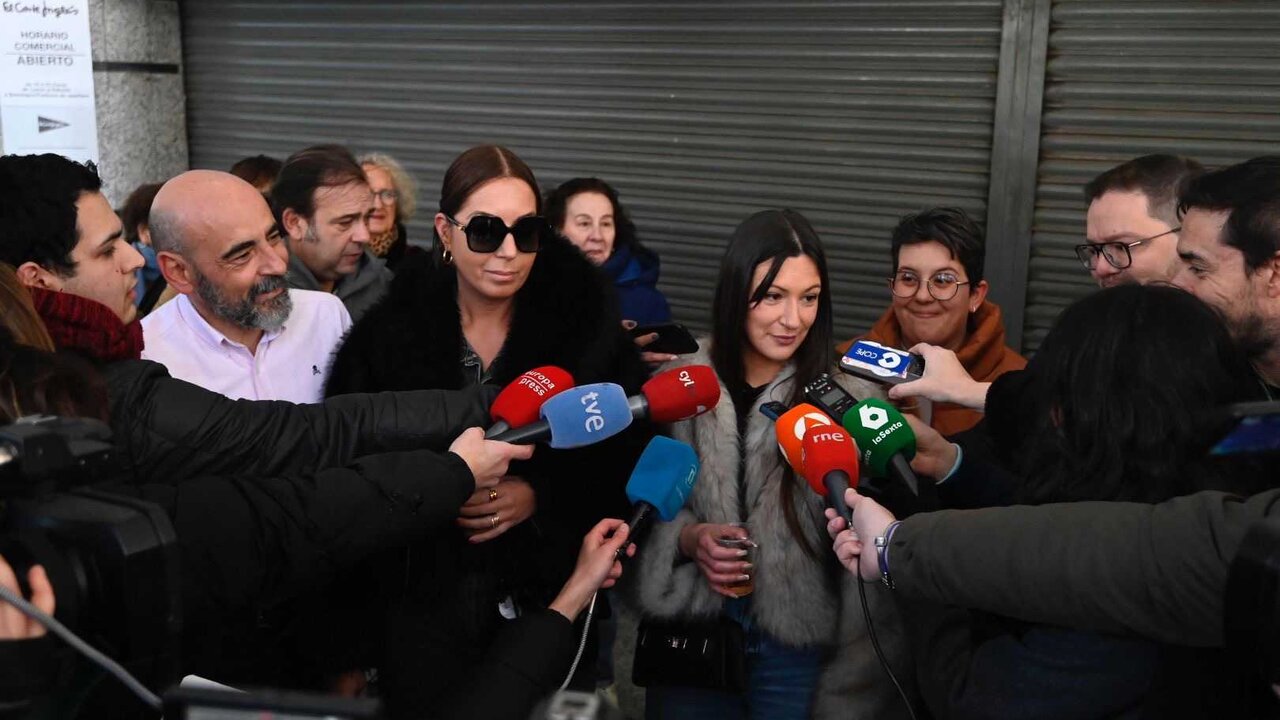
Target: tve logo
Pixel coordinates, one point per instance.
(594, 421)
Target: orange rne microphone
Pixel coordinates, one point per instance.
(791, 427)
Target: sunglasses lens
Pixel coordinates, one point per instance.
(528, 233)
(485, 233)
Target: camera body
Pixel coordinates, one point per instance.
(111, 556)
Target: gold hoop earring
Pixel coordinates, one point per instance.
(446, 256)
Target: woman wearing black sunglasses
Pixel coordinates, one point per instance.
(500, 294)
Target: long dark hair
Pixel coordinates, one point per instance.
(770, 236)
(1121, 401)
(474, 168)
(624, 228)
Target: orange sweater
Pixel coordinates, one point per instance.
(984, 354)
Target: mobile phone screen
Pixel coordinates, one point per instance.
(1253, 434)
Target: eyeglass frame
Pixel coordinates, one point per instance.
(928, 284)
(510, 231)
(386, 195)
(1097, 249)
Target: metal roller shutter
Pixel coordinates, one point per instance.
(698, 112)
(1130, 78)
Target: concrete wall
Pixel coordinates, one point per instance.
(141, 98)
(142, 116)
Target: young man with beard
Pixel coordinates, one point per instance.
(1230, 250)
(322, 203)
(235, 328)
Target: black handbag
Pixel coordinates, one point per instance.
(708, 654)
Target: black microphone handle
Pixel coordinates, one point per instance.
(497, 429)
(525, 434)
(641, 518)
(836, 482)
(900, 470)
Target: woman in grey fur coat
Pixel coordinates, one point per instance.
(807, 654)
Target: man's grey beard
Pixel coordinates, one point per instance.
(244, 312)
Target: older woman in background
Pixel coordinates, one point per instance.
(394, 200)
(588, 213)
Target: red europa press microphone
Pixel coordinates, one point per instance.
(518, 403)
(830, 460)
(677, 394)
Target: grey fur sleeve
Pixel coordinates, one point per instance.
(667, 584)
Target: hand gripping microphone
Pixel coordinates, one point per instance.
(885, 439)
(518, 403)
(661, 483)
(791, 427)
(579, 416)
(831, 465)
(677, 394)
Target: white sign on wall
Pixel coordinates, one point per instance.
(46, 79)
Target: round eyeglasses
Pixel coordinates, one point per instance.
(942, 286)
(1118, 254)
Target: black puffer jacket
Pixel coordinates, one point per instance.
(565, 315)
(170, 429)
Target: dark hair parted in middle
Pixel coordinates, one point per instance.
(474, 168)
(950, 227)
(1123, 400)
(770, 236)
(308, 170)
(624, 229)
(1250, 193)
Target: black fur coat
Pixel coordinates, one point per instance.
(565, 315)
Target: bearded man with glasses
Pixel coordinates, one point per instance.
(940, 298)
(1132, 225)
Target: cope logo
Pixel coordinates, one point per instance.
(872, 417)
(878, 359)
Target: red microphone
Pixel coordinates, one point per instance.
(677, 394)
(518, 403)
(830, 459)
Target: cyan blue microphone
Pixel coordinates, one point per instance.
(578, 416)
(661, 483)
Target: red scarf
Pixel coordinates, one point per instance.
(87, 327)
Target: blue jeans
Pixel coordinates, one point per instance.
(780, 681)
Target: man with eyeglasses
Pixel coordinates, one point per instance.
(1132, 224)
(940, 298)
(322, 203)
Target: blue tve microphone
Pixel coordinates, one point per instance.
(578, 416)
(661, 483)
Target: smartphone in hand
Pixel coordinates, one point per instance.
(881, 364)
(673, 338)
